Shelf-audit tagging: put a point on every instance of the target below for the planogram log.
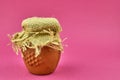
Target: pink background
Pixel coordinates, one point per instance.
(91, 26)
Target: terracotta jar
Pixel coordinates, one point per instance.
(39, 43)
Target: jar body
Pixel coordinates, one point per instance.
(45, 63)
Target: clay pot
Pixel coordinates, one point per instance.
(45, 63)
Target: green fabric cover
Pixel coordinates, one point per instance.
(38, 32)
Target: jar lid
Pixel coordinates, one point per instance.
(36, 24)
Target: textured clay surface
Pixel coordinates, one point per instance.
(44, 63)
